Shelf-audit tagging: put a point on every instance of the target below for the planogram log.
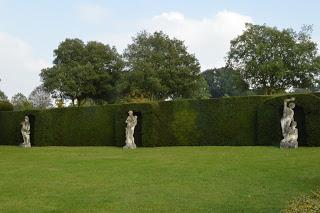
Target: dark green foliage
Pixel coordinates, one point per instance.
(316, 94)
(5, 106)
(83, 71)
(10, 133)
(87, 126)
(307, 115)
(3, 96)
(233, 121)
(21, 102)
(225, 82)
(273, 60)
(230, 121)
(160, 67)
(226, 121)
(180, 118)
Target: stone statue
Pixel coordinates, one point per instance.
(25, 131)
(131, 123)
(288, 126)
(291, 138)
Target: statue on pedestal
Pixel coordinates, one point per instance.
(25, 131)
(131, 123)
(288, 126)
(291, 138)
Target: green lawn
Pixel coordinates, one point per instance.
(170, 179)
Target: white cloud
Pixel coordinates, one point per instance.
(19, 68)
(92, 13)
(208, 38)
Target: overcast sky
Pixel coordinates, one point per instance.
(31, 30)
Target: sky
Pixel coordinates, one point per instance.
(31, 30)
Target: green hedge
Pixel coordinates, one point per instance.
(87, 126)
(307, 115)
(316, 94)
(225, 121)
(5, 106)
(234, 121)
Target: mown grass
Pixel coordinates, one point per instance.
(167, 179)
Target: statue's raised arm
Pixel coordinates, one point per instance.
(285, 106)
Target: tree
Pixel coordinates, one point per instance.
(39, 98)
(3, 96)
(83, 71)
(108, 66)
(225, 81)
(159, 67)
(274, 60)
(20, 102)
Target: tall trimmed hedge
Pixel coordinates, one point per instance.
(225, 121)
(5, 106)
(87, 126)
(234, 121)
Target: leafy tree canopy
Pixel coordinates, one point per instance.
(83, 71)
(225, 82)
(160, 67)
(20, 102)
(273, 60)
(3, 96)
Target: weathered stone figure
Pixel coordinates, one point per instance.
(291, 139)
(288, 125)
(131, 123)
(25, 131)
(288, 115)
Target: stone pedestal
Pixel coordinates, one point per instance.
(288, 144)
